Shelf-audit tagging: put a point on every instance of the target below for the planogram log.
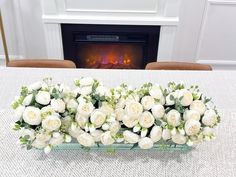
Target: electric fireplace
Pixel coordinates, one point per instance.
(110, 46)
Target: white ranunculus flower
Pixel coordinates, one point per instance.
(35, 86)
(130, 137)
(191, 114)
(97, 118)
(207, 131)
(51, 123)
(72, 104)
(27, 100)
(158, 111)
(173, 117)
(114, 127)
(120, 113)
(130, 121)
(43, 97)
(58, 105)
(86, 139)
(121, 103)
(146, 119)
(187, 97)
(147, 102)
(54, 141)
(107, 139)
(134, 109)
(41, 140)
(18, 112)
(192, 127)
(209, 118)
(85, 90)
(179, 139)
(145, 143)
(166, 134)
(75, 132)
(156, 92)
(199, 106)
(97, 135)
(85, 109)
(81, 120)
(32, 115)
(86, 81)
(156, 133)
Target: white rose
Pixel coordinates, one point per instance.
(187, 97)
(156, 92)
(85, 109)
(158, 111)
(199, 106)
(166, 134)
(173, 117)
(191, 114)
(75, 132)
(156, 133)
(120, 113)
(28, 132)
(39, 144)
(43, 97)
(58, 105)
(72, 104)
(35, 86)
(97, 118)
(145, 143)
(130, 137)
(85, 90)
(27, 100)
(32, 115)
(134, 109)
(97, 135)
(147, 102)
(130, 121)
(207, 131)
(51, 123)
(121, 103)
(103, 91)
(107, 139)
(114, 127)
(146, 119)
(106, 108)
(81, 120)
(54, 141)
(18, 112)
(86, 81)
(209, 118)
(179, 139)
(86, 139)
(192, 127)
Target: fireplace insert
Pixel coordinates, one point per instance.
(110, 46)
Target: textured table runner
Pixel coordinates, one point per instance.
(215, 158)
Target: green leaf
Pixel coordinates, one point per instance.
(134, 146)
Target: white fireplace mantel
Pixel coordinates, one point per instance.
(164, 13)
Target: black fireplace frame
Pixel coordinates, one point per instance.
(149, 36)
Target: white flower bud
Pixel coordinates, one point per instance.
(27, 100)
(179, 139)
(47, 149)
(145, 143)
(166, 134)
(130, 137)
(86, 139)
(156, 133)
(144, 132)
(105, 126)
(136, 128)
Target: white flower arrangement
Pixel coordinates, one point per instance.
(51, 114)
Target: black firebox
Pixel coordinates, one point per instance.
(110, 46)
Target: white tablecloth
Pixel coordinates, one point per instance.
(215, 158)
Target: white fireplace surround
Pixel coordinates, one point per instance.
(164, 13)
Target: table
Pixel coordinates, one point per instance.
(214, 158)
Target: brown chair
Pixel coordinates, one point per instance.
(177, 66)
(41, 63)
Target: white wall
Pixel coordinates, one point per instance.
(206, 33)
